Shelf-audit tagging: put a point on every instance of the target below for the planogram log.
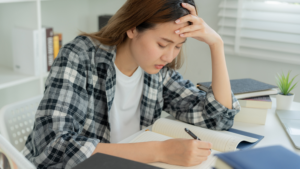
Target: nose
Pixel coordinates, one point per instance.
(168, 56)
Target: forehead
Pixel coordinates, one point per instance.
(167, 30)
(169, 26)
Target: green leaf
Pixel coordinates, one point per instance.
(292, 81)
(292, 88)
(284, 84)
(287, 82)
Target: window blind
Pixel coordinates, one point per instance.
(268, 30)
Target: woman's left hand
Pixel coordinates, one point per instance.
(198, 29)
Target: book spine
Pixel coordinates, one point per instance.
(24, 50)
(49, 42)
(255, 104)
(37, 66)
(251, 115)
(60, 40)
(55, 45)
(44, 52)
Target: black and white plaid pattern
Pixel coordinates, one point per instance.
(72, 117)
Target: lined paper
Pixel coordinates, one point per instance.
(222, 140)
(152, 136)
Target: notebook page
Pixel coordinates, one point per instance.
(149, 136)
(221, 140)
(152, 136)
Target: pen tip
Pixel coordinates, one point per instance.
(186, 129)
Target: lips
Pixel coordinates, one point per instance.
(159, 66)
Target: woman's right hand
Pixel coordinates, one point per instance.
(184, 152)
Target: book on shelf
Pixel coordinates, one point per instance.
(25, 51)
(49, 47)
(269, 157)
(106, 161)
(222, 141)
(57, 43)
(245, 88)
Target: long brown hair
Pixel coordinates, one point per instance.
(142, 14)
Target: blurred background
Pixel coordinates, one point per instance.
(262, 38)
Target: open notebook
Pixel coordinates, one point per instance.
(223, 141)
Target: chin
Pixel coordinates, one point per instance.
(152, 71)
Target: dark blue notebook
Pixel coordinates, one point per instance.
(244, 144)
(246, 85)
(270, 157)
(106, 161)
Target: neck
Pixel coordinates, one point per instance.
(124, 60)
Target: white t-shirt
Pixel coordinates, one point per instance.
(124, 117)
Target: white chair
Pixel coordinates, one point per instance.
(17, 119)
(12, 154)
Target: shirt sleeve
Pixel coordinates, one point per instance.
(55, 141)
(189, 104)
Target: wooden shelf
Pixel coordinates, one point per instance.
(9, 78)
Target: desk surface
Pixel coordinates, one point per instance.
(273, 130)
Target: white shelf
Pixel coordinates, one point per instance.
(14, 1)
(9, 78)
(11, 1)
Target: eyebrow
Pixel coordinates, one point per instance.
(168, 40)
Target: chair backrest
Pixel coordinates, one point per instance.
(17, 119)
(13, 156)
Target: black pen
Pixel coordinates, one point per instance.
(192, 134)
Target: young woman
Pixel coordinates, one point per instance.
(105, 86)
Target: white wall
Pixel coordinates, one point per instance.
(197, 67)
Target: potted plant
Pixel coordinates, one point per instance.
(285, 98)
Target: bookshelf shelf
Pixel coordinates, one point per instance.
(9, 78)
(15, 1)
(64, 16)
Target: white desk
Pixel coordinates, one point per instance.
(272, 130)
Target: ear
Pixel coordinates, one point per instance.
(131, 33)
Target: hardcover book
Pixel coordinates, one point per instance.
(244, 88)
(261, 102)
(270, 157)
(49, 47)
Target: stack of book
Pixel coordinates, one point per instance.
(25, 49)
(253, 96)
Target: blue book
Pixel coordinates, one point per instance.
(245, 88)
(270, 157)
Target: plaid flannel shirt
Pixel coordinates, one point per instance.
(72, 117)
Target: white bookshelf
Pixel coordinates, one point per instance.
(9, 78)
(64, 16)
(13, 1)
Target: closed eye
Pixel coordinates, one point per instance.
(164, 46)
